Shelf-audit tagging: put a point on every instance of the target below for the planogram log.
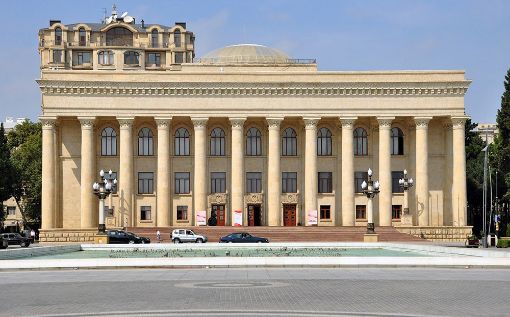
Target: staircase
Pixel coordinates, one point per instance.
(285, 234)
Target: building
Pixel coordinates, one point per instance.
(245, 133)
(487, 131)
(10, 123)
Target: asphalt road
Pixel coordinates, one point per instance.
(256, 292)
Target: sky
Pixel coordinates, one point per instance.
(342, 35)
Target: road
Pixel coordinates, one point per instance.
(256, 292)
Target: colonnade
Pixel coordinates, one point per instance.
(455, 166)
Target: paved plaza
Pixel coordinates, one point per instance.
(256, 292)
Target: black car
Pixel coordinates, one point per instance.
(242, 237)
(3, 243)
(120, 236)
(16, 238)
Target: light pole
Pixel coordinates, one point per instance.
(103, 190)
(406, 183)
(370, 189)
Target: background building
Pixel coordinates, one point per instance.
(487, 131)
(246, 134)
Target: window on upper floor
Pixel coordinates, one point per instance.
(182, 183)
(154, 59)
(218, 182)
(289, 142)
(119, 36)
(145, 142)
(395, 185)
(397, 142)
(11, 211)
(177, 38)
(325, 182)
(217, 145)
(57, 56)
(145, 183)
(181, 142)
(108, 142)
(359, 177)
(360, 142)
(253, 182)
(179, 57)
(58, 36)
(154, 38)
(289, 182)
(253, 142)
(82, 34)
(324, 142)
(132, 58)
(105, 58)
(83, 58)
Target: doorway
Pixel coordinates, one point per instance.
(254, 215)
(289, 215)
(219, 211)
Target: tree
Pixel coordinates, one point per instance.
(25, 141)
(474, 175)
(6, 174)
(501, 157)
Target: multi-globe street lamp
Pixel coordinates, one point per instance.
(370, 189)
(102, 190)
(406, 183)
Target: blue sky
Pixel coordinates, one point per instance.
(341, 35)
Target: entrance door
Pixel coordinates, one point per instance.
(289, 215)
(254, 215)
(219, 211)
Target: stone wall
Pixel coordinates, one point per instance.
(443, 233)
(67, 235)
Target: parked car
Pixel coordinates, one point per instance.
(16, 238)
(3, 243)
(242, 237)
(186, 235)
(121, 236)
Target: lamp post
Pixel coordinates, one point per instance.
(370, 189)
(102, 190)
(406, 183)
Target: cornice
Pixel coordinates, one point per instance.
(234, 89)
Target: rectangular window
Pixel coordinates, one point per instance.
(83, 58)
(182, 212)
(325, 182)
(11, 211)
(145, 213)
(57, 56)
(395, 186)
(396, 212)
(361, 212)
(218, 180)
(182, 183)
(154, 59)
(359, 177)
(145, 183)
(253, 182)
(289, 182)
(325, 212)
(179, 58)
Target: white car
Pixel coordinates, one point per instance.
(186, 235)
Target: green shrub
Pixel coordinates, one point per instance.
(508, 230)
(503, 243)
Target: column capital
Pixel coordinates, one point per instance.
(447, 126)
(237, 122)
(385, 122)
(311, 123)
(163, 122)
(459, 122)
(274, 123)
(48, 122)
(348, 122)
(422, 122)
(87, 122)
(126, 122)
(199, 123)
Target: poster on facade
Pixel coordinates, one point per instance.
(312, 217)
(238, 218)
(200, 218)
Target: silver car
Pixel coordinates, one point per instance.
(186, 235)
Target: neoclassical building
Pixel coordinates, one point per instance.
(245, 133)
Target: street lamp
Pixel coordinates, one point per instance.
(102, 190)
(406, 183)
(370, 189)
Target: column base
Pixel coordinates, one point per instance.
(101, 239)
(370, 237)
(406, 220)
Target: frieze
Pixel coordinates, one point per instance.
(218, 198)
(290, 198)
(254, 198)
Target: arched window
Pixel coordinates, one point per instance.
(360, 142)
(289, 142)
(324, 143)
(397, 142)
(177, 38)
(145, 142)
(181, 142)
(82, 37)
(154, 38)
(131, 58)
(119, 36)
(217, 146)
(105, 58)
(253, 142)
(58, 36)
(108, 142)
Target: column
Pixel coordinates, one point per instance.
(422, 165)
(89, 212)
(311, 184)
(274, 173)
(448, 217)
(163, 212)
(385, 170)
(237, 170)
(200, 171)
(459, 196)
(126, 181)
(48, 198)
(347, 171)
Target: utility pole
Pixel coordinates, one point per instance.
(484, 204)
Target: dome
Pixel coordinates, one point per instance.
(245, 54)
